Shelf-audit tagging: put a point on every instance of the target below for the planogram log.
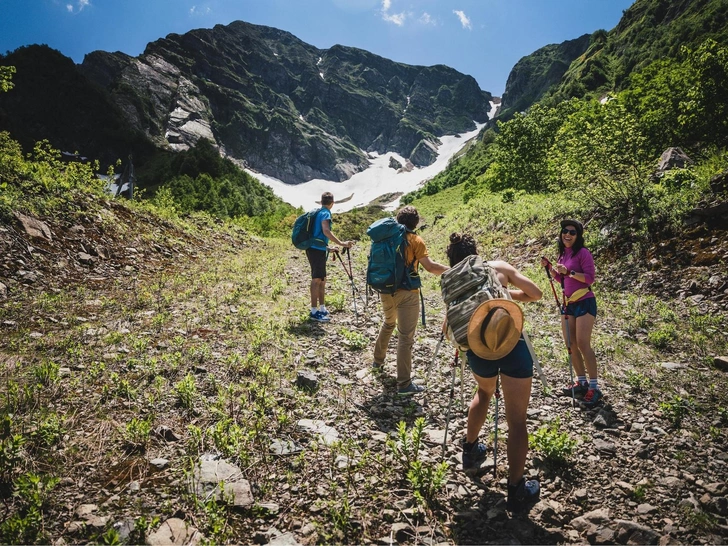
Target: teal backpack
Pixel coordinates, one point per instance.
(386, 268)
(302, 235)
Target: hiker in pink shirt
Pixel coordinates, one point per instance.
(575, 271)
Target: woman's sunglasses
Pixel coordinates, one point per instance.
(569, 231)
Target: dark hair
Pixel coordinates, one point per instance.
(461, 246)
(327, 198)
(408, 217)
(578, 244)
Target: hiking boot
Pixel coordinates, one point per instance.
(580, 389)
(522, 494)
(473, 458)
(319, 317)
(592, 398)
(411, 389)
(376, 367)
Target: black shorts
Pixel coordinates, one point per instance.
(317, 260)
(582, 307)
(518, 363)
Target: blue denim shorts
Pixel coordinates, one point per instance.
(582, 307)
(518, 363)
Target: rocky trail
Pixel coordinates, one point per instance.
(194, 401)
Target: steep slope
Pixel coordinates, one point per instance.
(283, 106)
(648, 30)
(51, 100)
(534, 75)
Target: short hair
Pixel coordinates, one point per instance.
(327, 198)
(408, 217)
(461, 246)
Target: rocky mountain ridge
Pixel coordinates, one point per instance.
(284, 107)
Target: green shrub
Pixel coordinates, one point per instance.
(556, 447)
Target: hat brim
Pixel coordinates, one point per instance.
(475, 341)
(578, 225)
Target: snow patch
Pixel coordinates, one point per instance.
(379, 179)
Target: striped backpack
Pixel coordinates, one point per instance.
(464, 287)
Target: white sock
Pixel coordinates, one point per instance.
(322, 308)
(313, 310)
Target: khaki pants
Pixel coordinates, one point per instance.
(402, 310)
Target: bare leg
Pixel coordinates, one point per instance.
(576, 359)
(516, 394)
(322, 291)
(478, 412)
(583, 326)
(315, 291)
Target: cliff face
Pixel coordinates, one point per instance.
(534, 75)
(282, 106)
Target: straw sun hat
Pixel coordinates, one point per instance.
(494, 328)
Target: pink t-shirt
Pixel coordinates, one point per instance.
(581, 262)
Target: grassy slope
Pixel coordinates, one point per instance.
(203, 329)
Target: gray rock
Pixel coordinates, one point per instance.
(605, 447)
(284, 539)
(306, 379)
(719, 505)
(629, 532)
(326, 434)
(285, 447)
(175, 532)
(209, 474)
(721, 363)
(159, 463)
(34, 227)
(166, 433)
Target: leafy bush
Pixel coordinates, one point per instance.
(676, 409)
(557, 447)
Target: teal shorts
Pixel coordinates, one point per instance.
(518, 363)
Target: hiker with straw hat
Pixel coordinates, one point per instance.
(575, 271)
(497, 348)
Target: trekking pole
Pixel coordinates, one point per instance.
(462, 383)
(449, 404)
(350, 274)
(351, 278)
(562, 311)
(529, 346)
(495, 443)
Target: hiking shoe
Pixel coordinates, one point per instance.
(473, 458)
(522, 494)
(325, 312)
(411, 389)
(319, 317)
(376, 368)
(580, 389)
(592, 398)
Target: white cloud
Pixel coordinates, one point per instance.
(396, 18)
(427, 19)
(79, 7)
(463, 19)
(197, 11)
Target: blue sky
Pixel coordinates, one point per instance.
(483, 38)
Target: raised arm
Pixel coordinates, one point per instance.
(527, 290)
